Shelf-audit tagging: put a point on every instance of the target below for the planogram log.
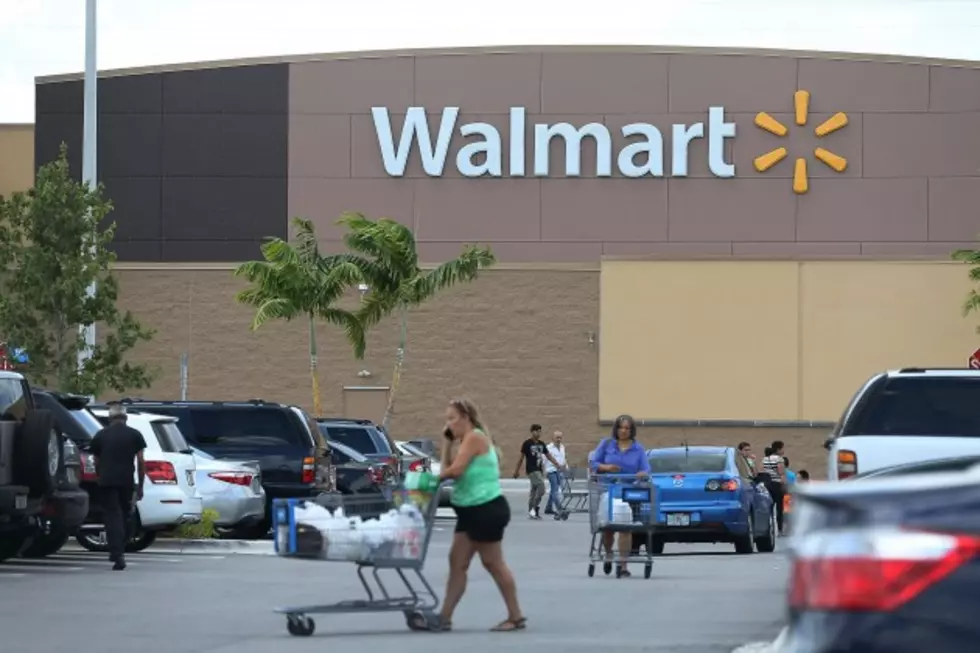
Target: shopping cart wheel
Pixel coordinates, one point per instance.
(591, 570)
(417, 620)
(300, 625)
(647, 569)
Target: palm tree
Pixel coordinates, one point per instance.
(384, 258)
(972, 258)
(295, 280)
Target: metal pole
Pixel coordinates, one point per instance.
(89, 142)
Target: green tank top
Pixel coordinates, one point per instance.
(480, 481)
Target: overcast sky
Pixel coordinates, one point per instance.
(42, 37)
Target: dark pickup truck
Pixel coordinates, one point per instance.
(362, 483)
(41, 502)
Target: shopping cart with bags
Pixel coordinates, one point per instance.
(397, 542)
(625, 504)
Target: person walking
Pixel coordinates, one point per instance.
(482, 515)
(773, 465)
(118, 452)
(533, 454)
(553, 470)
(745, 449)
(620, 454)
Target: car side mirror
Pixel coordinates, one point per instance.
(829, 442)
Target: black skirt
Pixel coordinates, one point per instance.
(484, 522)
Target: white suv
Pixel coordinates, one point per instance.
(170, 496)
(906, 416)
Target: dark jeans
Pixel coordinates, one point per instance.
(117, 505)
(777, 492)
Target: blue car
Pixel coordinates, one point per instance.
(707, 494)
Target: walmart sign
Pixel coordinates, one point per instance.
(482, 156)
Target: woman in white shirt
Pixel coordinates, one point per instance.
(557, 451)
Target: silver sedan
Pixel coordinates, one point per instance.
(231, 488)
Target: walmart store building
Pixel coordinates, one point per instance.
(723, 244)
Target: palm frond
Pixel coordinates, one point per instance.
(460, 270)
(307, 248)
(970, 256)
(352, 326)
(972, 303)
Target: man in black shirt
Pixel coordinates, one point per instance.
(533, 453)
(118, 451)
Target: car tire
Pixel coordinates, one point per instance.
(767, 543)
(11, 544)
(142, 541)
(38, 452)
(745, 544)
(47, 542)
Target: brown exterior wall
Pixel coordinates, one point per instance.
(516, 342)
(16, 158)
(912, 145)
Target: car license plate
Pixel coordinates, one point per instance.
(678, 519)
(20, 502)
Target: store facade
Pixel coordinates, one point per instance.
(694, 237)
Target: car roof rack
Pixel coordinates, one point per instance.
(346, 420)
(177, 402)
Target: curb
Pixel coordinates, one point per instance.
(242, 547)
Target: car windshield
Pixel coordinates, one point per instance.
(690, 463)
(920, 406)
(87, 420)
(12, 402)
(169, 436)
(357, 438)
(412, 450)
(251, 426)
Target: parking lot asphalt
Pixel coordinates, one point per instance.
(700, 599)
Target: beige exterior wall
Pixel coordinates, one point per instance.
(16, 158)
(770, 340)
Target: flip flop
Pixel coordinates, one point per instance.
(508, 625)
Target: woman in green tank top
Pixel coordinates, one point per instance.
(482, 513)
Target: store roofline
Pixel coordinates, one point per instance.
(728, 423)
(516, 49)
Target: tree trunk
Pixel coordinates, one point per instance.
(397, 372)
(317, 407)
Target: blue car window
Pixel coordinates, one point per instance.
(688, 464)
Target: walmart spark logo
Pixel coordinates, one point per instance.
(801, 182)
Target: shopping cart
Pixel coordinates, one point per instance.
(624, 504)
(574, 496)
(398, 543)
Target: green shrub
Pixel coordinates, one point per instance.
(203, 530)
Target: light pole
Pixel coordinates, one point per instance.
(89, 143)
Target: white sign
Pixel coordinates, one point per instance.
(642, 156)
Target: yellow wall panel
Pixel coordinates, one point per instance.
(16, 158)
(699, 339)
(863, 317)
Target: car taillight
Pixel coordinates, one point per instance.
(88, 467)
(415, 466)
(309, 470)
(377, 475)
(874, 569)
(847, 464)
(235, 478)
(721, 485)
(161, 472)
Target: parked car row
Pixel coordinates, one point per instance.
(231, 458)
(886, 556)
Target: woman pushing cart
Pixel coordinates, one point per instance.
(621, 500)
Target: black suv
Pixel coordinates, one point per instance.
(294, 461)
(40, 498)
